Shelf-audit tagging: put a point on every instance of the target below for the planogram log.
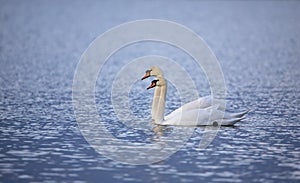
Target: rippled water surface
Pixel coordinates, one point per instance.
(257, 44)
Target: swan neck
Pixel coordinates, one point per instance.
(158, 104)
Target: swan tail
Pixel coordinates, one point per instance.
(236, 115)
(230, 122)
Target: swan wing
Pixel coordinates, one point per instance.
(203, 102)
(200, 103)
(191, 117)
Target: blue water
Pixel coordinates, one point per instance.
(257, 44)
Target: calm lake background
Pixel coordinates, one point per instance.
(257, 44)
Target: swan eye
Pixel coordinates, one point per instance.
(155, 81)
(148, 72)
(153, 84)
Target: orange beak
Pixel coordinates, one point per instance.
(151, 86)
(147, 74)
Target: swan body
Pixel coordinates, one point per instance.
(196, 113)
(203, 117)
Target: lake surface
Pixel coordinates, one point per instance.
(257, 44)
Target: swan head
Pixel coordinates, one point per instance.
(153, 71)
(157, 82)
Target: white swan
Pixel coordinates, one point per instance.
(187, 116)
(202, 102)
